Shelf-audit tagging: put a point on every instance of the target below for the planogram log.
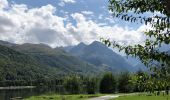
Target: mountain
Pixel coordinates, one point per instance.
(77, 50)
(67, 48)
(132, 60)
(57, 58)
(34, 61)
(136, 63)
(15, 65)
(7, 44)
(100, 55)
(169, 52)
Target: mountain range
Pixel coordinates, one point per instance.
(32, 61)
(101, 56)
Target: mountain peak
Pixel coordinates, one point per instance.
(100, 55)
(82, 44)
(97, 43)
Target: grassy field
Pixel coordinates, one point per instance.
(143, 97)
(63, 97)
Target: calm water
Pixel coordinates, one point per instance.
(24, 93)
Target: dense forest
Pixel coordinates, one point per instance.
(21, 68)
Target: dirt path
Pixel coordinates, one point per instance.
(107, 97)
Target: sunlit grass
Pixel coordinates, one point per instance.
(142, 97)
(63, 97)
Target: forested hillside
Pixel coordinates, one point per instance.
(39, 61)
(18, 66)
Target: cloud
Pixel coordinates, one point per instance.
(69, 1)
(87, 12)
(3, 4)
(63, 2)
(88, 31)
(110, 19)
(36, 25)
(20, 24)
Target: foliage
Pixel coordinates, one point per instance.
(91, 85)
(124, 84)
(18, 67)
(72, 84)
(38, 65)
(158, 35)
(133, 11)
(108, 83)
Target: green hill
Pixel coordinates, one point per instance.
(38, 62)
(18, 66)
(57, 58)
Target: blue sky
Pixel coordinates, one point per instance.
(63, 22)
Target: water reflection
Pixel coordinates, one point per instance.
(24, 93)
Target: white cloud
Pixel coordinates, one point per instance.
(3, 4)
(69, 1)
(100, 16)
(88, 31)
(87, 12)
(110, 19)
(63, 2)
(20, 24)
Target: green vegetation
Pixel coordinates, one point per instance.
(108, 83)
(20, 69)
(142, 97)
(134, 11)
(38, 64)
(64, 97)
(91, 85)
(72, 84)
(57, 58)
(124, 85)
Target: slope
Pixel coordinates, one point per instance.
(57, 58)
(101, 56)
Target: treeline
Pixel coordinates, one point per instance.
(39, 82)
(107, 83)
(119, 83)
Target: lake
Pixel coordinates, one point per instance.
(25, 93)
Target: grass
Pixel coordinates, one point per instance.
(86, 96)
(63, 97)
(142, 97)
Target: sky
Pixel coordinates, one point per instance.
(64, 23)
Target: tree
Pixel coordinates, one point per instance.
(108, 83)
(124, 84)
(133, 11)
(91, 85)
(72, 84)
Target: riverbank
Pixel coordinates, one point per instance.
(16, 87)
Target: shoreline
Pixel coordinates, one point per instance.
(16, 87)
